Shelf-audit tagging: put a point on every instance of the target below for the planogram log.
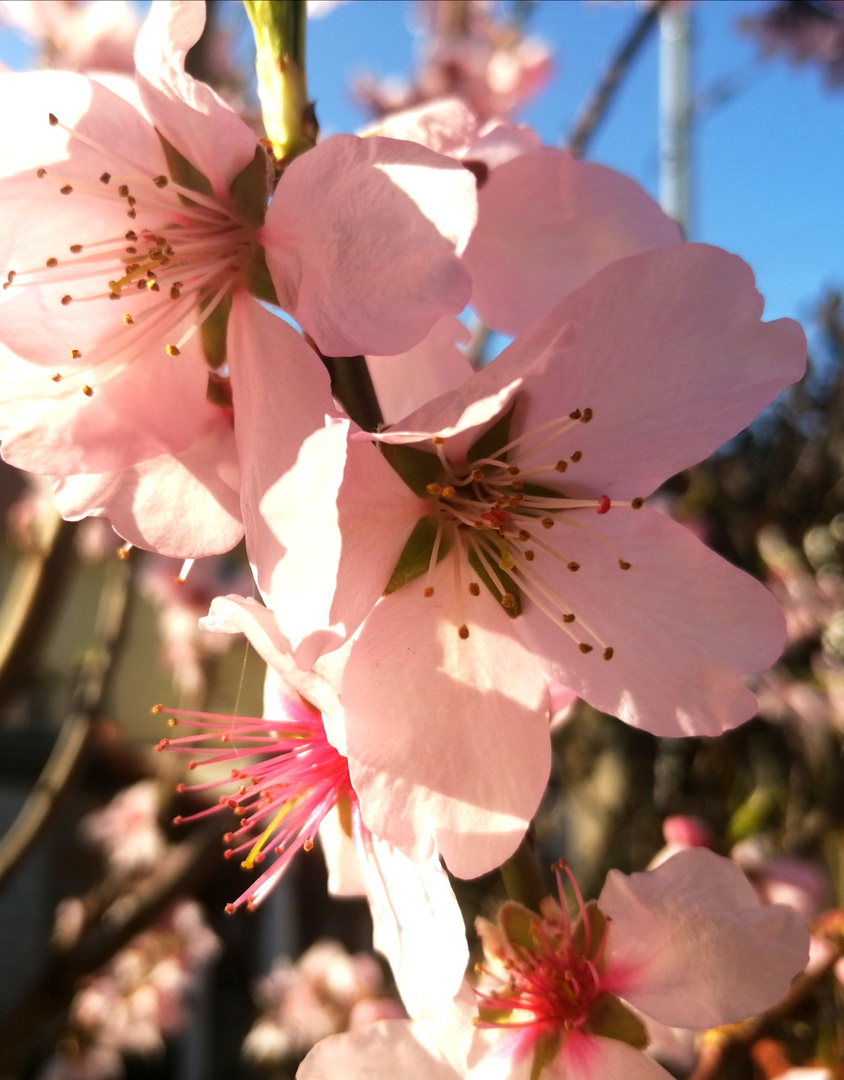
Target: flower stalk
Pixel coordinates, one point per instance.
(289, 119)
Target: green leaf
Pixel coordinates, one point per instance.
(214, 330)
(416, 467)
(183, 172)
(416, 556)
(507, 583)
(517, 923)
(250, 189)
(488, 444)
(608, 1017)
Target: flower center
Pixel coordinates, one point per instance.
(169, 259)
(500, 512)
(281, 798)
(551, 969)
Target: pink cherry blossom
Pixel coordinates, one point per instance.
(546, 221)
(280, 799)
(534, 558)
(475, 816)
(141, 995)
(137, 231)
(688, 944)
(300, 778)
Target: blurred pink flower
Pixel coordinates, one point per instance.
(138, 998)
(127, 829)
(803, 33)
(74, 35)
(324, 992)
(466, 53)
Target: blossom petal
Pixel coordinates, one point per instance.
(281, 392)
(417, 925)
(343, 516)
(547, 223)
(187, 112)
(461, 414)
(594, 1057)
(446, 126)
(671, 356)
(203, 481)
(691, 945)
(345, 875)
(53, 428)
(382, 1051)
(447, 737)
(433, 367)
(499, 1054)
(682, 622)
(370, 265)
(243, 615)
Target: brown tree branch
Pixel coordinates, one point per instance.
(73, 737)
(595, 109)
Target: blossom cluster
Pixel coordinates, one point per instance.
(442, 567)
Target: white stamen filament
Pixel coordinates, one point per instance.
(500, 525)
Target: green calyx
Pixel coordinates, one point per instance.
(250, 189)
(614, 1020)
(183, 172)
(418, 468)
(214, 330)
(417, 553)
(517, 923)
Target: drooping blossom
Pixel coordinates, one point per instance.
(138, 229)
(304, 787)
(496, 538)
(279, 799)
(687, 943)
(475, 824)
